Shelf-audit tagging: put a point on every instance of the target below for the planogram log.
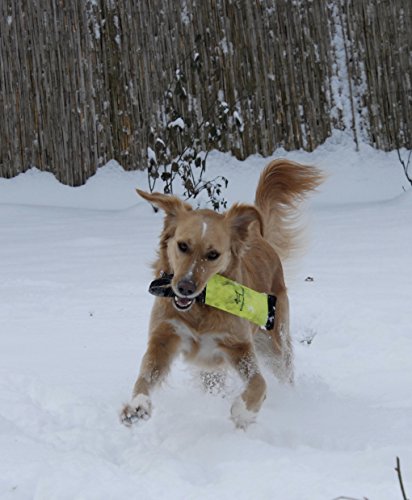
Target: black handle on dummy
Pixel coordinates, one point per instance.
(162, 286)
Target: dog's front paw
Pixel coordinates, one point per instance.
(240, 415)
(139, 408)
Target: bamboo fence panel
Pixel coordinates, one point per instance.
(84, 81)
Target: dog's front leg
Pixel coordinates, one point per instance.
(245, 408)
(162, 348)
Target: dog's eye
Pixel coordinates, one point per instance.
(212, 255)
(183, 246)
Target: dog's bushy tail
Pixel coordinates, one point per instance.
(283, 184)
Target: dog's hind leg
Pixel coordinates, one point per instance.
(162, 348)
(275, 346)
(281, 337)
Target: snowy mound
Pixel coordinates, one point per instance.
(74, 310)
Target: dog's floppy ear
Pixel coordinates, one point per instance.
(171, 205)
(241, 219)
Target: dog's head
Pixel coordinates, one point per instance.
(196, 244)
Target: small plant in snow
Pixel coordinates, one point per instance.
(405, 165)
(400, 479)
(398, 470)
(176, 153)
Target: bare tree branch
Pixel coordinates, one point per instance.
(405, 164)
(398, 463)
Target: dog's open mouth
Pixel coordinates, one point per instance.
(182, 303)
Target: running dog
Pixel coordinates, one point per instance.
(247, 244)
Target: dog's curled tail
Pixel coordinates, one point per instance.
(283, 184)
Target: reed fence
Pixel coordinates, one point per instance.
(84, 81)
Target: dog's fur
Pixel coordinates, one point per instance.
(245, 244)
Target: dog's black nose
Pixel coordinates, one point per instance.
(186, 287)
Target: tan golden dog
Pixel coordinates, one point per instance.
(245, 244)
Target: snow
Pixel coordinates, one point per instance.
(74, 311)
(151, 155)
(340, 81)
(177, 123)
(239, 121)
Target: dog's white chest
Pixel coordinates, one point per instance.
(208, 350)
(201, 349)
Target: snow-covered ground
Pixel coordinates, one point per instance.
(74, 309)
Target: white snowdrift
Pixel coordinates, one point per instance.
(73, 324)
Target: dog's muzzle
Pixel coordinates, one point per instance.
(183, 299)
(182, 303)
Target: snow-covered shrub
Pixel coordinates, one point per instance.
(176, 154)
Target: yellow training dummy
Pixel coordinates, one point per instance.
(229, 296)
